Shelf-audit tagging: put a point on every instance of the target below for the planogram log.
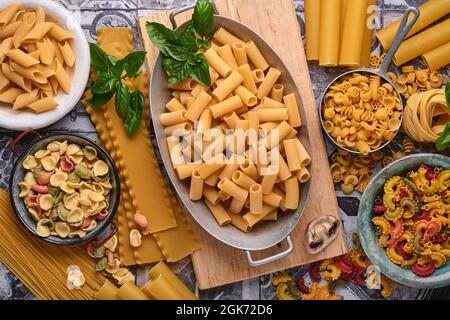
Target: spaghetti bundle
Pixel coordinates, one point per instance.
(41, 267)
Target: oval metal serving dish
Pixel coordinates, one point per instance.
(262, 236)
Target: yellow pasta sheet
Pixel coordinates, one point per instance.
(149, 250)
(135, 156)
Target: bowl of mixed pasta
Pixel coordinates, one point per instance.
(65, 189)
(403, 221)
(44, 63)
(247, 178)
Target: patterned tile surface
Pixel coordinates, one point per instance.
(95, 13)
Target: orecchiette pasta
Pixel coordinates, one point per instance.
(65, 199)
(412, 81)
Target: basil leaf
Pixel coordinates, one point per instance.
(134, 116)
(100, 60)
(132, 63)
(443, 142)
(112, 59)
(122, 100)
(447, 94)
(177, 53)
(161, 36)
(98, 100)
(178, 70)
(203, 18)
(187, 39)
(203, 43)
(106, 82)
(200, 71)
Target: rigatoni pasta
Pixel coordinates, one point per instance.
(29, 43)
(236, 140)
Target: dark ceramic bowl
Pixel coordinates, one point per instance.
(369, 240)
(18, 174)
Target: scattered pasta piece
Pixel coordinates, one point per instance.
(411, 81)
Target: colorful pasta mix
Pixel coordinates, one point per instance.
(411, 218)
(66, 189)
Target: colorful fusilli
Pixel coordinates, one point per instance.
(412, 219)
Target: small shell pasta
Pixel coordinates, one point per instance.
(72, 195)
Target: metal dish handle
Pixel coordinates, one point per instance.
(278, 256)
(176, 12)
(401, 34)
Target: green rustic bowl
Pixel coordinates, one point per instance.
(366, 229)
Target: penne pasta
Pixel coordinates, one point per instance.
(37, 32)
(25, 99)
(9, 30)
(7, 13)
(42, 105)
(10, 95)
(33, 53)
(25, 26)
(59, 33)
(5, 46)
(46, 51)
(20, 81)
(30, 73)
(62, 77)
(67, 53)
(21, 57)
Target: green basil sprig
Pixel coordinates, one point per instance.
(110, 73)
(443, 142)
(180, 49)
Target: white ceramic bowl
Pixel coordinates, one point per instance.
(79, 75)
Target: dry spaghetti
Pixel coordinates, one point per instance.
(41, 267)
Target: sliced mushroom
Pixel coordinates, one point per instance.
(321, 232)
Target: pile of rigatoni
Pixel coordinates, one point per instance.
(236, 140)
(35, 53)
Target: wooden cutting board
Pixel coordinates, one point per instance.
(276, 21)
